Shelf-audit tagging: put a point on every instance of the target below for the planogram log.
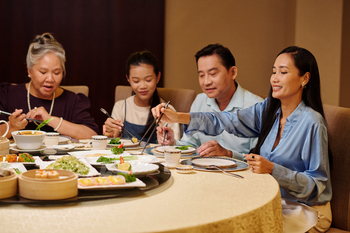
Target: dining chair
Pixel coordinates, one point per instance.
(338, 126)
(77, 89)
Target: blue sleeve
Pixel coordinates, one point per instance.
(242, 123)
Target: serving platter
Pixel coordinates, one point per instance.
(138, 168)
(202, 162)
(135, 184)
(140, 158)
(36, 162)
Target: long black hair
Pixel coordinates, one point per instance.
(305, 62)
(136, 59)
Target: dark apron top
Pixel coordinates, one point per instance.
(137, 130)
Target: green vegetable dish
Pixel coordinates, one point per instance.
(183, 147)
(70, 163)
(103, 159)
(117, 151)
(115, 141)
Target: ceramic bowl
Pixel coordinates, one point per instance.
(28, 139)
(184, 169)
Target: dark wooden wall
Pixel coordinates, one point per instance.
(98, 36)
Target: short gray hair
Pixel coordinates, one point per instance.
(42, 45)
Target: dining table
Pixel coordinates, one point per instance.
(199, 201)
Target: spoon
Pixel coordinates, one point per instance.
(215, 167)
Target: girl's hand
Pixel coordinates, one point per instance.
(259, 164)
(160, 136)
(112, 127)
(17, 120)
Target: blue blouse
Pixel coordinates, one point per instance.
(301, 165)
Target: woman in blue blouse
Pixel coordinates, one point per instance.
(293, 141)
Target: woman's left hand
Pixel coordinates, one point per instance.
(38, 113)
(259, 164)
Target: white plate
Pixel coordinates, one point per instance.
(137, 183)
(19, 166)
(220, 162)
(92, 170)
(63, 139)
(141, 158)
(138, 168)
(63, 147)
(15, 148)
(92, 153)
(161, 149)
(127, 143)
(36, 162)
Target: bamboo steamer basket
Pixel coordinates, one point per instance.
(48, 189)
(8, 186)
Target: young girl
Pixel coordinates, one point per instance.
(134, 113)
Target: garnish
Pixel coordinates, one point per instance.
(115, 141)
(118, 149)
(17, 171)
(43, 123)
(128, 177)
(183, 147)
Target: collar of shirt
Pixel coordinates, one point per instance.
(237, 101)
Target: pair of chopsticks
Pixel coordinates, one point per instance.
(165, 133)
(28, 119)
(107, 114)
(156, 122)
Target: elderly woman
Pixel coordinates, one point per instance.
(292, 144)
(42, 98)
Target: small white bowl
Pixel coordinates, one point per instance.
(184, 169)
(31, 141)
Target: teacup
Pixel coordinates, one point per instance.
(51, 139)
(172, 157)
(99, 142)
(7, 128)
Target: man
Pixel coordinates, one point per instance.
(217, 73)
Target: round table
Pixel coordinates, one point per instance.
(197, 202)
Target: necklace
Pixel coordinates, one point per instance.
(28, 100)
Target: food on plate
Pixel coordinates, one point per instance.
(42, 174)
(1, 158)
(11, 158)
(29, 133)
(183, 147)
(118, 149)
(115, 141)
(6, 169)
(25, 157)
(134, 140)
(119, 179)
(128, 177)
(17, 171)
(103, 159)
(70, 163)
(122, 165)
(85, 182)
(95, 155)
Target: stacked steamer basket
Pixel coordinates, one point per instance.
(48, 189)
(8, 186)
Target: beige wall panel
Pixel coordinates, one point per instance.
(345, 58)
(319, 29)
(254, 31)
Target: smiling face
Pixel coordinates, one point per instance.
(143, 82)
(285, 80)
(215, 80)
(46, 76)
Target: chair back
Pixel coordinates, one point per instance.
(181, 99)
(338, 126)
(77, 89)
